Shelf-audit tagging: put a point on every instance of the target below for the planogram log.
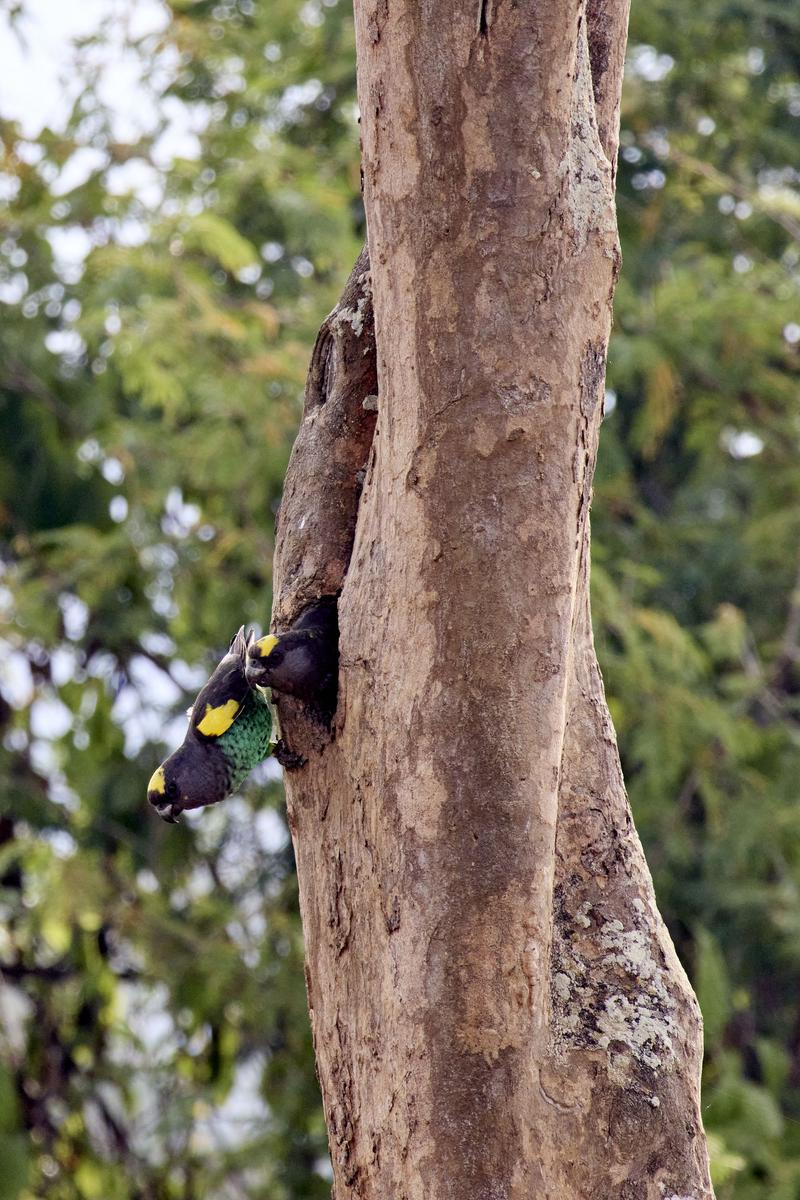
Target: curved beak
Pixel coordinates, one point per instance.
(167, 811)
(156, 789)
(257, 668)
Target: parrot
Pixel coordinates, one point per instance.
(302, 662)
(230, 731)
(231, 722)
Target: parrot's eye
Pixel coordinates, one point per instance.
(172, 790)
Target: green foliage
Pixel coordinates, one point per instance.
(697, 542)
(155, 1040)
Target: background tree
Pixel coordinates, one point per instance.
(158, 373)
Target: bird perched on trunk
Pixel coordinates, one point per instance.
(230, 727)
(302, 662)
(230, 723)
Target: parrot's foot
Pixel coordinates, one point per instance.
(289, 760)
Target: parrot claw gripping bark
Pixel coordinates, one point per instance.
(230, 727)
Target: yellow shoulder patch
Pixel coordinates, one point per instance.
(265, 645)
(217, 720)
(157, 782)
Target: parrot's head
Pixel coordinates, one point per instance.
(192, 777)
(297, 663)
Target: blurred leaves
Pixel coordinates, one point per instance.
(157, 321)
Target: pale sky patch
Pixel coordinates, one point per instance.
(39, 82)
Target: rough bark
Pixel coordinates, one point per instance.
(497, 1008)
(319, 506)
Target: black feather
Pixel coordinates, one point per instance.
(228, 682)
(305, 661)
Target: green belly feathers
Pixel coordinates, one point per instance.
(247, 742)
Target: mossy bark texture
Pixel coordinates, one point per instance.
(498, 1010)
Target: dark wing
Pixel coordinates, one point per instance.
(222, 699)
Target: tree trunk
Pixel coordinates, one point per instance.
(497, 1008)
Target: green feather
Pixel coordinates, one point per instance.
(247, 742)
